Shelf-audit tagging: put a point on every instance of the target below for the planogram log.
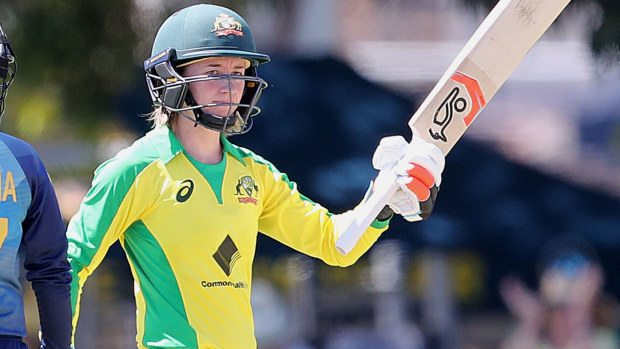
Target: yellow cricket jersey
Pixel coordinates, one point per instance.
(189, 231)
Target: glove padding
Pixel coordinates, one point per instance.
(417, 166)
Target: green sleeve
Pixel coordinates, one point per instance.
(100, 221)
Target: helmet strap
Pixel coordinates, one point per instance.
(199, 115)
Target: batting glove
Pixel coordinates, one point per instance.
(417, 167)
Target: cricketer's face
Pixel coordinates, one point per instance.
(218, 91)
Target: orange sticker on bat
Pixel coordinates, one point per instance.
(475, 94)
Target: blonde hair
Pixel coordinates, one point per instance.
(161, 116)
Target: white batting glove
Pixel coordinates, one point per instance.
(417, 167)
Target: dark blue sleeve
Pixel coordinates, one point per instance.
(45, 245)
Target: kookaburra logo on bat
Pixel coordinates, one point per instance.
(444, 114)
(455, 102)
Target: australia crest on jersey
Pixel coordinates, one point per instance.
(246, 190)
(226, 25)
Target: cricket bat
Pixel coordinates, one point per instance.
(495, 49)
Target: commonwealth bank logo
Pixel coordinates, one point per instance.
(227, 255)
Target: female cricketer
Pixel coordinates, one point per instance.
(187, 204)
(30, 222)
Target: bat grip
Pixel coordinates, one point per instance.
(364, 215)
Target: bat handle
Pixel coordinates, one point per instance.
(364, 215)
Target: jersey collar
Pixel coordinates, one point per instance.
(231, 149)
(176, 147)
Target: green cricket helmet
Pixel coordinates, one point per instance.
(8, 67)
(194, 33)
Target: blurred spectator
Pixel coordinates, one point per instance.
(565, 312)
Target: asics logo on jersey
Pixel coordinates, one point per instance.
(226, 255)
(246, 188)
(187, 187)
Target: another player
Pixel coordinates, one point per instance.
(186, 204)
(30, 220)
(568, 309)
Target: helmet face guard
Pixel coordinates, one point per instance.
(198, 32)
(8, 68)
(170, 90)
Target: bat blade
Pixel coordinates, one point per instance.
(489, 57)
(483, 65)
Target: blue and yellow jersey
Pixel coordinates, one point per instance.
(32, 234)
(189, 231)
